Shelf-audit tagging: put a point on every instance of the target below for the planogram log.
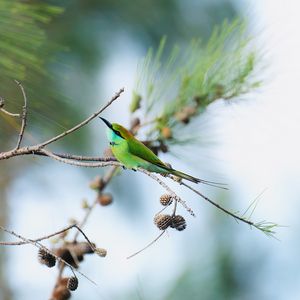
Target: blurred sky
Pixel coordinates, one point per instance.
(257, 149)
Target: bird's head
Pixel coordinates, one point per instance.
(116, 132)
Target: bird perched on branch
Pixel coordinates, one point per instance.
(134, 154)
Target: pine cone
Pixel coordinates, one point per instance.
(162, 221)
(72, 284)
(166, 199)
(46, 258)
(178, 222)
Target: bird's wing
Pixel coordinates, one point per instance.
(137, 148)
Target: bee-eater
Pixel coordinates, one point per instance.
(134, 154)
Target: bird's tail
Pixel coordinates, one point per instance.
(196, 180)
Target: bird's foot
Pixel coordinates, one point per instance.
(134, 170)
(124, 168)
(164, 174)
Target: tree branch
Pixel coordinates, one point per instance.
(40, 246)
(86, 121)
(24, 116)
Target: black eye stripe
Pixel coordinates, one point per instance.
(118, 133)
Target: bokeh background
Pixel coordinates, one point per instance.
(252, 145)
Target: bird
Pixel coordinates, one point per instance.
(133, 154)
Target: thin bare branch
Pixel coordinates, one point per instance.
(40, 246)
(79, 163)
(86, 121)
(235, 216)
(34, 240)
(24, 116)
(107, 178)
(9, 113)
(147, 246)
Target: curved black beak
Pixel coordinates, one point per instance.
(106, 122)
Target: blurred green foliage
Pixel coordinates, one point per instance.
(176, 86)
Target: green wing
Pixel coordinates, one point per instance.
(137, 148)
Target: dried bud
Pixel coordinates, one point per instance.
(97, 183)
(72, 283)
(190, 110)
(46, 258)
(101, 252)
(105, 199)
(166, 132)
(166, 199)
(61, 291)
(162, 221)
(183, 117)
(178, 222)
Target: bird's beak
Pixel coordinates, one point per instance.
(106, 122)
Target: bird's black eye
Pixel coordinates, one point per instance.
(118, 133)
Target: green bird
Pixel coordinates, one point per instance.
(134, 154)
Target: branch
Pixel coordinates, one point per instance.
(5, 111)
(265, 227)
(35, 149)
(86, 121)
(40, 246)
(24, 116)
(168, 189)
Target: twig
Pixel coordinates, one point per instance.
(169, 190)
(5, 111)
(24, 116)
(235, 216)
(109, 175)
(35, 240)
(79, 163)
(35, 149)
(40, 246)
(147, 246)
(86, 121)
(9, 113)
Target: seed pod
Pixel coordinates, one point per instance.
(72, 283)
(166, 132)
(105, 199)
(46, 258)
(178, 222)
(61, 291)
(162, 221)
(101, 252)
(166, 199)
